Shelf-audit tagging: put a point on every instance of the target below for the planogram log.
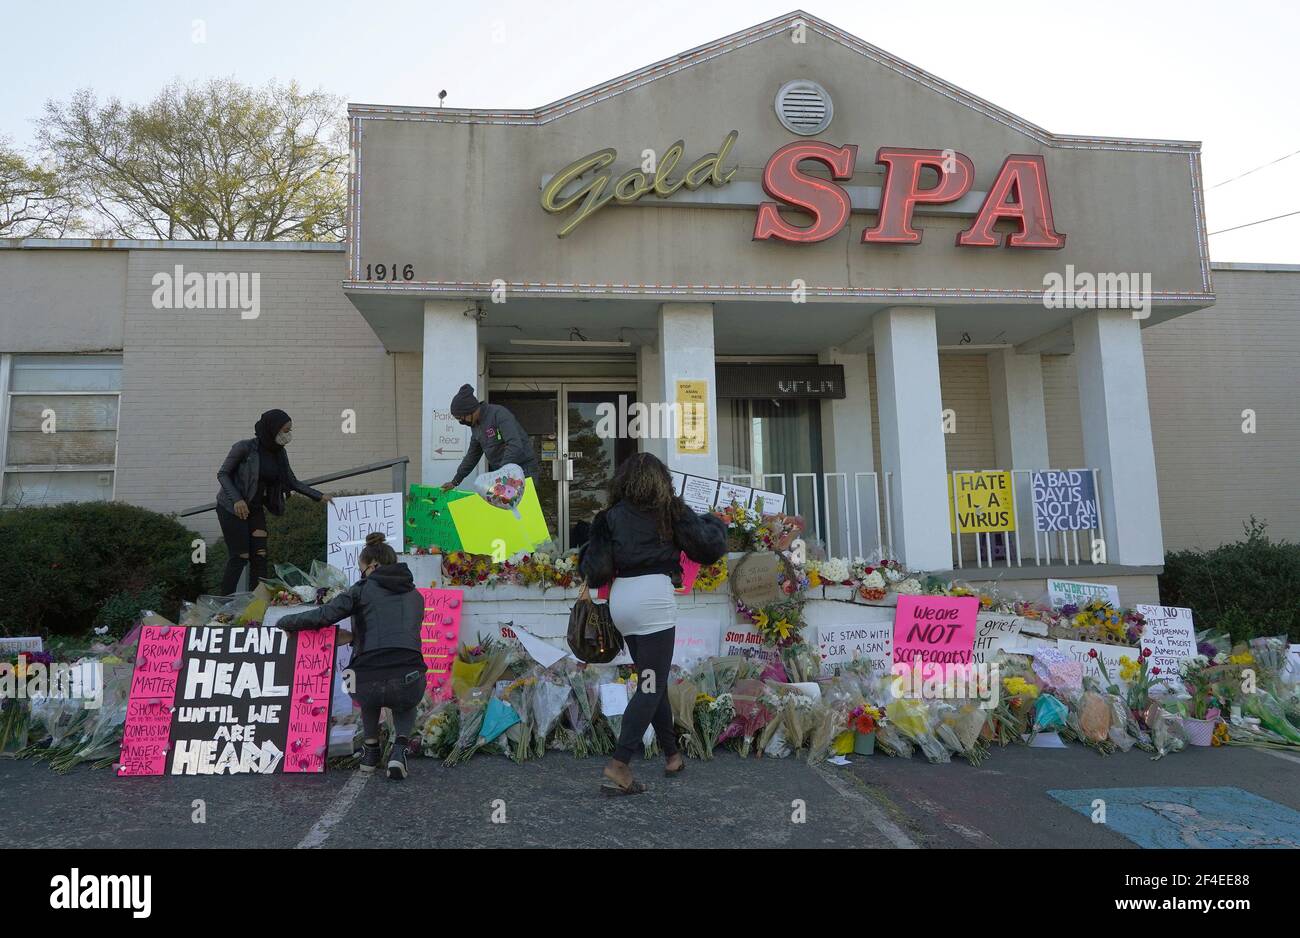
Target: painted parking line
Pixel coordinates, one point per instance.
(1189, 817)
(336, 812)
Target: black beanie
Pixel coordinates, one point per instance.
(464, 403)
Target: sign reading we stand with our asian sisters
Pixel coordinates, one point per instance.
(228, 700)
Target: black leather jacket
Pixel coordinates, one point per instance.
(386, 612)
(625, 541)
(238, 478)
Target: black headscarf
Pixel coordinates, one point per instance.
(267, 429)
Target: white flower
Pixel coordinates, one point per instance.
(873, 581)
(102, 630)
(911, 587)
(835, 570)
(541, 558)
(893, 575)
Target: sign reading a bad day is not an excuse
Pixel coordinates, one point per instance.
(228, 700)
(1064, 500)
(936, 633)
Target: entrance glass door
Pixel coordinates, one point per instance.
(579, 443)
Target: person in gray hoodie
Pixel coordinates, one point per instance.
(386, 612)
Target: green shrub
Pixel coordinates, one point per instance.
(65, 567)
(1248, 588)
(296, 537)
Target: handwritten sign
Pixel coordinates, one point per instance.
(742, 640)
(1170, 635)
(1064, 500)
(754, 580)
(980, 502)
(767, 503)
(935, 631)
(440, 637)
(13, 645)
(228, 700)
(349, 518)
(699, 493)
(870, 642)
(1064, 592)
(995, 631)
(729, 492)
(1106, 654)
(696, 637)
(428, 520)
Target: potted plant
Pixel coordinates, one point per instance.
(1198, 676)
(863, 720)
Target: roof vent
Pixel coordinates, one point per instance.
(804, 107)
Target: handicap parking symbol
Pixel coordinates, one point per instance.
(1190, 818)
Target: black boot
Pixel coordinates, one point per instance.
(397, 759)
(370, 756)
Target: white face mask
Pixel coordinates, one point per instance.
(284, 438)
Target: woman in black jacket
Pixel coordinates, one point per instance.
(255, 478)
(387, 663)
(636, 543)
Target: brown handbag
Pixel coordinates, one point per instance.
(592, 635)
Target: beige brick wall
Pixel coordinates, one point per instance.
(195, 381)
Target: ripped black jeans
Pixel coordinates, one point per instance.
(245, 547)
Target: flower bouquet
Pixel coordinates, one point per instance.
(913, 719)
(750, 715)
(712, 716)
(869, 581)
(439, 730)
(864, 720)
(584, 731)
(709, 578)
(502, 488)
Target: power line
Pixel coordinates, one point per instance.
(1252, 223)
(1255, 170)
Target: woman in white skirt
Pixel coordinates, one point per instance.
(636, 543)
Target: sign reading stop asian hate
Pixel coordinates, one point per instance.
(981, 502)
(936, 633)
(1064, 500)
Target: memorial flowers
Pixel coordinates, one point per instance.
(709, 578)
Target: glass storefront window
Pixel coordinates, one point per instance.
(767, 438)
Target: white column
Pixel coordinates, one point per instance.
(451, 355)
(686, 354)
(650, 390)
(847, 448)
(911, 434)
(1019, 428)
(1117, 433)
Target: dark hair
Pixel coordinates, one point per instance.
(643, 481)
(376, 551)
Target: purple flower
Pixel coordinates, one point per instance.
(1207, 649)
(1070, 609)
(39, 657)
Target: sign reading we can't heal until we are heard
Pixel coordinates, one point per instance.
(228, 700)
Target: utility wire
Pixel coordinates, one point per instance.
(1252, 223)
(1255, 170)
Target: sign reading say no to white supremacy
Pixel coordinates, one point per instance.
(1064, 500)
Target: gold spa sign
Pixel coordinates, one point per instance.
(595, 193)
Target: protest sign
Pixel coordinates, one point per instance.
(729, 492)
(980, 502)
(754, 580)
(1106, 654)
(1064, 500)
(428, 520)
(349, 518)
(440, 637)
(1065, 592)
(994, 632)
(693, 417)
(486, 529)
(233, 699)
(13, 645)
(1169, 634)
(871, 642)
(699, 493)
(767, 503)
(696, 637)
(935, 631)
(743, 640)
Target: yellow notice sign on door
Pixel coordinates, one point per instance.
(692, 408)
(982, 503)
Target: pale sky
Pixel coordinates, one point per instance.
(1221, 73)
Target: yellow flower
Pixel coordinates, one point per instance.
(814, 579)
(762, 620)
(783, 628)
(1128, 669)
(703, 698)
(1244, 658)
(1018, 686)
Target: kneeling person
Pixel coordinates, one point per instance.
(386, 613)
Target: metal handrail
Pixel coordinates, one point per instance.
(398, 466)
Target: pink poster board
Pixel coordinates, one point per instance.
(146, 736)
(935, 631)
(439, 638)
(309, 714)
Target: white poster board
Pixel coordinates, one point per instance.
(350, 518)
(1109, 654)
(696, 638)
(994, 632)
(1063, 592)
(872, 642)
(1171, 636)
(768, 503)
(742, 640)
(699, 493)
(13, 645)
(729, 492)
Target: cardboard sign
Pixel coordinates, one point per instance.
(693, 417)
(1170, 635)
(1108, 654)
(994, 632)
(228, 700)
(744, 641)
(440, 637)
(753, 581)
(428, 520)
(349, 518)
(935, 631)
(1064, 500)
(872, 642)
(483, 527)
(980, 502)
(1064, 592)
(13, 645)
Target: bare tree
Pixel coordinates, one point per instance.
(34, 200)
(211, 161)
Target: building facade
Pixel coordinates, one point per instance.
(860, 278)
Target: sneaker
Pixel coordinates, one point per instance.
(397, 760)
(370, 756)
